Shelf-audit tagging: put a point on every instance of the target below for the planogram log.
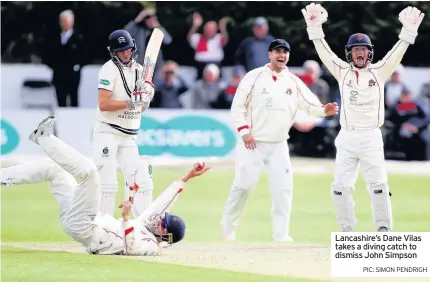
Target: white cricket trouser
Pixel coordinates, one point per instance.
(364, 149)
(109, 148)
(78, 201)
(275, 159)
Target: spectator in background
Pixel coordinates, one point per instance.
(209, 46)
(424, 101)
(205, 92)
(409, 120)
(395, 87)
(169, 86)
(65, 54)
(226, 97)
(141, 29)
(252, 51)
(424, 97)
(318, 85)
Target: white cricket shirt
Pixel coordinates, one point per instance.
(121, 81)
(361, 90)
(138, 240)
(266, 102)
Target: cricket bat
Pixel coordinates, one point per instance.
(151, 54)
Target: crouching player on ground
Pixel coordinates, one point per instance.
(75, 185)
(145, 235)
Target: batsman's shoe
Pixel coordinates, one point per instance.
(383, 229)
(44, 129)
(6, 184)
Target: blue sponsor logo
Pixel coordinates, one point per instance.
(185, 136)
(9, 137)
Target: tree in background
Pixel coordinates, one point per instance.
(25, 25)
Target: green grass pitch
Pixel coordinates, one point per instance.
(30, 214)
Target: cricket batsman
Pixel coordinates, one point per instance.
(359, 141)
(122, 97)
(79, 201)
(263, 111)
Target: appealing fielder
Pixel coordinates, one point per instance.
(359, 141)
(263, 111)
(79, 200)
(122, 97)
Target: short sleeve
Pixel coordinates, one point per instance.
(106, 77)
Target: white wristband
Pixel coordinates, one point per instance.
(315, 32)
(407, 35)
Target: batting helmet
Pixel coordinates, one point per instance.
(175, 228)
(358, 39)
(121, 40)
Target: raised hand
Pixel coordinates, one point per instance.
(223, 23)
(314, 14)
(411, 18)
(197, 19)
(198, 169)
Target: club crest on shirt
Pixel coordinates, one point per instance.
(372, 83)
(289, 91)
(264, 91)
(105, 151)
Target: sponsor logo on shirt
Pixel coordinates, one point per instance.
(353, 97)
(104, 82)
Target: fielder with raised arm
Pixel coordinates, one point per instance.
(263, 111)
(359, 141)
(79, 200)
(118, 122)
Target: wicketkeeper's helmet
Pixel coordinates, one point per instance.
(358, 39)
(175, 228)
(121, 40)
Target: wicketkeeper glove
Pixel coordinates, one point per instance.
(315, 15)
(411, 19)
(144, 94)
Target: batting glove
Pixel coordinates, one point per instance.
(411, 19)
(145, 93)
(315, 15)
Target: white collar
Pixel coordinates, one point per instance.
(273, 73)
(70, 31)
